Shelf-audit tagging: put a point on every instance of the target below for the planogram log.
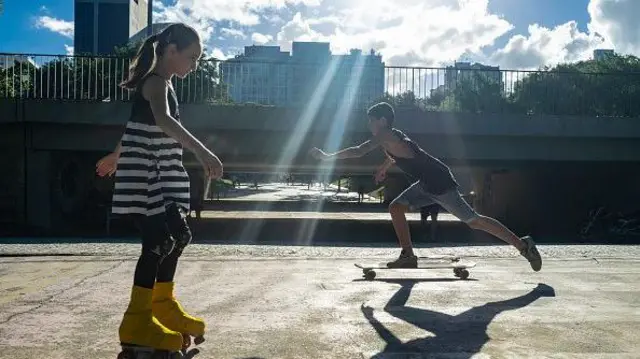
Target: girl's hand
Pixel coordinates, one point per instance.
(107, 165)
(211, 164)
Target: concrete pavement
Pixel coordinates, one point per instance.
(310, 302)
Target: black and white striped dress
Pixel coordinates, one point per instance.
(150, 174)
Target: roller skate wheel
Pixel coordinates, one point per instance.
(198, 340)
(186, 341)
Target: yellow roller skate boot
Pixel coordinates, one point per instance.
(171, 314)
(141, 332)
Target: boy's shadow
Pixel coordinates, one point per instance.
(463, 334)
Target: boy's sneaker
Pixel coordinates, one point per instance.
(531, 253)
(404, 261)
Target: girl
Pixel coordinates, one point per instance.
(152, 186)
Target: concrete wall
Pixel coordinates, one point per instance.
(248, 135)
(216, 117)
(527, 171)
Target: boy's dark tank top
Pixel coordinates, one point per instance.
(141, 110)
(434, 176)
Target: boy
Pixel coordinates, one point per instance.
(434, 184)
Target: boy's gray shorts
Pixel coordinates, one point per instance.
(415, 197)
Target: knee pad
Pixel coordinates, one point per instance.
(178, 228)
(182, 239)
(156, 239)
(161, 248)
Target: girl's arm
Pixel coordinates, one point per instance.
(155, 90)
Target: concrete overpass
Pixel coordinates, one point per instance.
(521, 167)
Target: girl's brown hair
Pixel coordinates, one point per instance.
(144, 62)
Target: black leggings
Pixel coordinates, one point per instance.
(164, 237)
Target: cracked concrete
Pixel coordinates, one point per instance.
(310, 302)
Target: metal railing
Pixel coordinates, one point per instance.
(357, 84)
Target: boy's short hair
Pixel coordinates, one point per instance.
(380, 110)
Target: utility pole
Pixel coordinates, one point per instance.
(149, 17)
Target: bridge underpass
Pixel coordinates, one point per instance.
(535, 173)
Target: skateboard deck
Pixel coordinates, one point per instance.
(459, 267)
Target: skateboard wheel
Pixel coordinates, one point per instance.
(464, 274)
(461, 273)
(369, 275)
(198, 340)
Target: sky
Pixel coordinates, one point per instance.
(512, 34)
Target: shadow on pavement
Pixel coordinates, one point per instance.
(463, 334)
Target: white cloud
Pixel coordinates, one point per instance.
(613, 25)
(260, 39)
(62, 27)
(180, 14)
(617, 22)
(219, 54)
(273, 18)
(406, 32)
(297, 29)
(415, 32)
(245, 12)
(68, 49)
(543, 46)
(234, 33)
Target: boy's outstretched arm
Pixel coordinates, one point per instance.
(349, 152)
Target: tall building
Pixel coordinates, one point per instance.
(102, 25)
(260, 75)
(471, 75)
(602, 54)
(265, 74)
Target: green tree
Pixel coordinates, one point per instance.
(405, 99)
(608, 87)
(474, 91)
(16, 80)
(98, 78)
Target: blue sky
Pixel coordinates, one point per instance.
(510, 33)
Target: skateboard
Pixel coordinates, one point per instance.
(460, 268)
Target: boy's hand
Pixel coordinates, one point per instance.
(318, 154)
(211, 164)
(107, 165)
